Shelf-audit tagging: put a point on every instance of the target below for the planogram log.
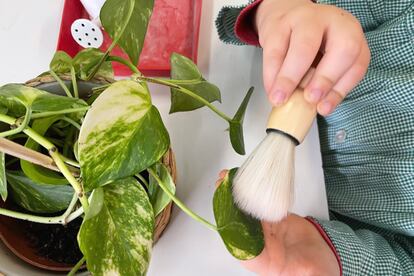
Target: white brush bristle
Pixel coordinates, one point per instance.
(263, 185)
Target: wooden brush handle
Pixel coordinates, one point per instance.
(296, 116)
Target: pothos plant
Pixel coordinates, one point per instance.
(106, 142)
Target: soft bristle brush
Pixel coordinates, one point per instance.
(264, 184)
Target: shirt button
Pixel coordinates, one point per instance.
(340, 136)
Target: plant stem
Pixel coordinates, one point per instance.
(58, 131)
(63, 111)
(67, 142)
(99, 89)
(72, 122)
(187, 92)
(74, 215)
(77, 266)
(56, 157)
(20, 127)
(144, 181)
(32, 218)
(180, 203)
(68, 175)
(70, 208)
(61, 83)
(74, 82)
(62, 219)
(69, 161)
(97, 66)
(126, 63)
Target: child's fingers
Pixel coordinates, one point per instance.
(342, 47)
(329, 103)
(341, 52)
(355, 74)
(222, 175)
(304, 45)
(275, 48)
(351, 79)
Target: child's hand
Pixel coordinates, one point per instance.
(291, 32)
(292, 247)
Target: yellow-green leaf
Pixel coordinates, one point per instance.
(17, 96)
(86, 61)
(236, 125)
(126, 22)
(38, 173)
(61, 63)
(159, 199)
(118, 240)
(122, 134)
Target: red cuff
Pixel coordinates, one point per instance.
(327, 240)
(244, 28)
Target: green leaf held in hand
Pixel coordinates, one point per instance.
(3, 178)
(186, 74)
(86, 61)
(122, 135)
(61, 63)
(36, 173)
(236, 125)
(242, 234)
(126, 22)
(159, 199)
(38, 197)
(118, 240)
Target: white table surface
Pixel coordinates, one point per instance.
(28, 32)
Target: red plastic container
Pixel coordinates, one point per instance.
(174, 27)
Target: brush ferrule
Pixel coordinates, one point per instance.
(273, 130)
(295, 117)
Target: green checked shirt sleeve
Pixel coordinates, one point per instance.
(225, 22)
(367, 148)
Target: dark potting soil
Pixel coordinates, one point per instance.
(55, 242)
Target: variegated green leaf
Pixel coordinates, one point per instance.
(3, 180)
(159, 199)
(126, 23)
(118, 240)
(242, 234)
(61, 63)
(17, 96)
(96, 203)
(236, 125)
(3, 109)
(36, 173)
(187, 75)
(86, 61)
(122, 134)
(38, 197)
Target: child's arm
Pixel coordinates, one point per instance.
(367, 146)
(369, 250)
